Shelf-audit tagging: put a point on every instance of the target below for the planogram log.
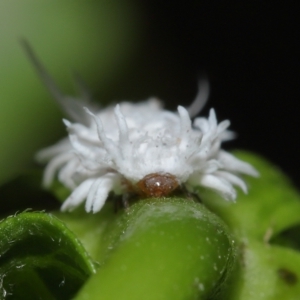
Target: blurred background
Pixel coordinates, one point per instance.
(130, 50)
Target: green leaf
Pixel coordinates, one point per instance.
(40, 258)
(266, 272)
(271, 205)
(166, 248)
(266, 224)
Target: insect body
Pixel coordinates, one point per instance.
(157, 185)
(152, 150)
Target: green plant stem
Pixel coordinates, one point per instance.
(163, 249)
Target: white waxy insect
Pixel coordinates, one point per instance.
(139, 148)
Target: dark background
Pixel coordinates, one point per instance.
(250, 53)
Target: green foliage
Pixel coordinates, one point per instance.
(271, 205)
(40, 258)
(266, 223)
(265, 272)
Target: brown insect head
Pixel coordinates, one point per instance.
(157, 185)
